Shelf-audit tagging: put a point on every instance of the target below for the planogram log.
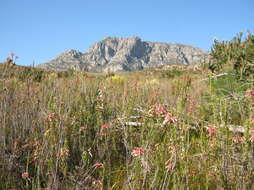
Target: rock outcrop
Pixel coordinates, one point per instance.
(126, 54)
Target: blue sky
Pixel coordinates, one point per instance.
(39, 30)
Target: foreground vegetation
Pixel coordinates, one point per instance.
(174, 128)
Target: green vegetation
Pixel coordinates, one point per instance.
(237, 54)
(154, 129)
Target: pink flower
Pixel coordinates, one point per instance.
(25, 175)
(169, 119)
(250, 93)
(83, 127)
(105, 126)
(252, 138)
(34, 159)
(211, 131)
(97, 183)
(137, 151)
(238, 139)
(51, 116)
(98, 165)
(64, 153)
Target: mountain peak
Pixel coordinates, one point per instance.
(121, 38)
(126, 54)
(71, 53)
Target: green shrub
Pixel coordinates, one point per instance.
(236, 55)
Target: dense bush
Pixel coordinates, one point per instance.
(237, 54)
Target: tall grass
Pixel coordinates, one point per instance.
(174, 128)
(143, 130)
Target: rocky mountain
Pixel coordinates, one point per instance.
(126, 54)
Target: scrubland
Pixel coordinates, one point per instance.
(173, 128)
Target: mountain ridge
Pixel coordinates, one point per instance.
(126, 54)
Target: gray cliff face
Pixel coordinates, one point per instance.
(126, 54)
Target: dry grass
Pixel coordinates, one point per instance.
(80, 131)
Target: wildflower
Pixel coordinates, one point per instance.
(137, 151)
(169, 119)
(83, 127)
(64, 152)
(97, 183)
(34, 160)
(238, 139)
(98, 165)
(211, 131)
(250, 93)
(25, 175)
(105, 126)
(252, 138)
(51, 116)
